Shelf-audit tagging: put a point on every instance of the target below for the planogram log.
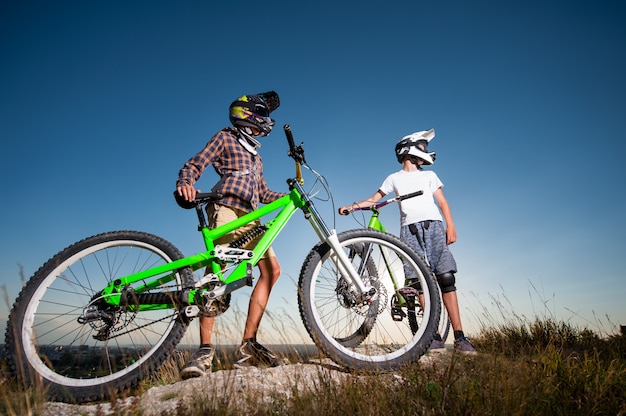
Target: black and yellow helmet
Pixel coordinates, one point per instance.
(254, 111)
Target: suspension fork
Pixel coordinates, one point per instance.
(338, 256)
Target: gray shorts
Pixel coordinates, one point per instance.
(429, 240)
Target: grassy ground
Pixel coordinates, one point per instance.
(527, 368)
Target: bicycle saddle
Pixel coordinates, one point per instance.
(201, 198)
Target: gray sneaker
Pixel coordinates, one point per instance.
(464, 346)
(251, 353)
(437, 346)
(199, 364)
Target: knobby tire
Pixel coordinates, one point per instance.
(365, 335)
(45, 343)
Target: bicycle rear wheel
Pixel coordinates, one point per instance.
(444, 323)
(379, 337)
(75, 361)
(444, 319)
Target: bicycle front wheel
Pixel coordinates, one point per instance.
(78, 362)
(376, 334)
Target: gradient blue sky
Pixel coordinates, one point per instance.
(102, 102)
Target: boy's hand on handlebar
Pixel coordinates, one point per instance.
(188, 192)
(345, 210)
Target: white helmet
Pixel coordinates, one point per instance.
(416, 144)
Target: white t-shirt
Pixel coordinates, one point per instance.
(419, 208)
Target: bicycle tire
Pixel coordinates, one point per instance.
(386, 344)
(444, 323)
(45, 342)
(444, 319)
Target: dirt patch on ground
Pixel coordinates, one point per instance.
(245, 386)
(237, 388)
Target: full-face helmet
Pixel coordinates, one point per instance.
(416, 144)
(250, 111)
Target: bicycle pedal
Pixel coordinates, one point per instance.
(397, 314)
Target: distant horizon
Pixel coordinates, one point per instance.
(102, 104)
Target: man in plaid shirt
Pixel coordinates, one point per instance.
(233, 154)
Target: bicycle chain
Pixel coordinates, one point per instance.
(241, 241)
(139, 327)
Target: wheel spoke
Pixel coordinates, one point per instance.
(94, 356)
(368, 334)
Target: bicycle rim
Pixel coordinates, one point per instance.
(386, 337)
(64, 352)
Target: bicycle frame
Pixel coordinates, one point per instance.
(215, 257)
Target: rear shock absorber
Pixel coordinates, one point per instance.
(248, 236)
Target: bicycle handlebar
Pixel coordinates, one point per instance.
(407, 196)
(289, 135)
(295, 152)
(386, 202)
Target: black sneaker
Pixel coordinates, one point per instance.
(437, 346)
(463, 345)
(251, 353)
(199, 364)
(412, 288)
(409, 292)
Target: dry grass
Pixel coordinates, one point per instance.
(541, 367)
(525, 367)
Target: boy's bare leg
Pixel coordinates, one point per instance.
(451, 303)
(206, 329)
(251, 352)
(269, 269)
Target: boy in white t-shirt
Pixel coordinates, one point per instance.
(422, 223)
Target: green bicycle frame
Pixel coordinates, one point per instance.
(374, 222)
(118, 294)
(286, 206)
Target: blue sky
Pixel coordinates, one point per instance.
(102, 102)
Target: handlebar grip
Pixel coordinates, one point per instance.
(411, 195)
(289, 135)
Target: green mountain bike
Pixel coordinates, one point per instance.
(399, 301)
(107, 311)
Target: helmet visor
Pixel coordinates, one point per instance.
(261, 110)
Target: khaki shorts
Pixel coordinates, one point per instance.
(220, 215)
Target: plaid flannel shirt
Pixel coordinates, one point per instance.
(242, 182)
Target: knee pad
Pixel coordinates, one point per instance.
(446, 282)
